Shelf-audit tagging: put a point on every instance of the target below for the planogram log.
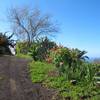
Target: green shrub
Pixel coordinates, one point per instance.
(22, 48)
(40, 48)
(33, 52)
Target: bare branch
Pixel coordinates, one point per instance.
(31, 23)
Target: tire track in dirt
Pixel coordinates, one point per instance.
(18, 71)
(15, 86)
(4, 82)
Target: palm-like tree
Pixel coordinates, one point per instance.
(81, 55)
(5, 42)
(77, 60)
(77, 57)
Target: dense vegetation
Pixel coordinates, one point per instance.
(5, 42)
(64, 69)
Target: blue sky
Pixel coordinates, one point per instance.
(79, 21)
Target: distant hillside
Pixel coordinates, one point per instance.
(95, 60)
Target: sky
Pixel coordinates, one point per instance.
(79, 21)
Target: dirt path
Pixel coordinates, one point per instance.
(15, 84)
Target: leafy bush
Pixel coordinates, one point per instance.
(33, 52)
(22, 47)
(71, 63)
(40, 48)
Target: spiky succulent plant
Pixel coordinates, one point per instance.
(5, 42)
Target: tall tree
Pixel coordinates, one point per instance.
(29, 24)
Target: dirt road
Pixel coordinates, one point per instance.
(15, 83)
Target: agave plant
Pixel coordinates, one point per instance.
(5, 42)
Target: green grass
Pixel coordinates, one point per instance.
(96, 97)
(23, 56)
(39, 74)
(39, 70)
